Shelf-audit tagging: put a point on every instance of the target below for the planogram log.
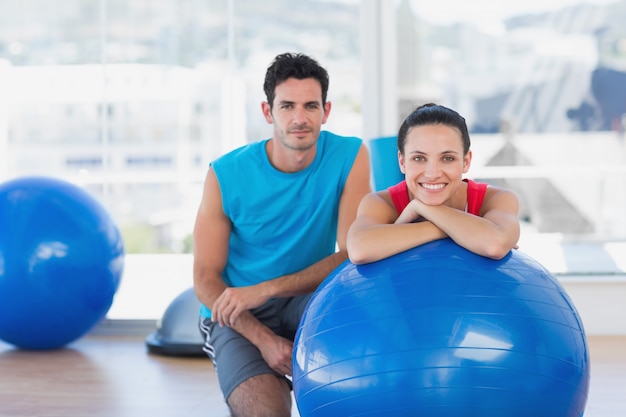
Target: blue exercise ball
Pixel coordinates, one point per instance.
(439, 331)
(61, 261)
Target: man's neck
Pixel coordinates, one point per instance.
(288, 160)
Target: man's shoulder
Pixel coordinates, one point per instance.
(333, 141)
(331, 136)
(245, 151)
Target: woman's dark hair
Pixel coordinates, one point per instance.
(290, 65)
(434, 114)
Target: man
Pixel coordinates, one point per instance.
(271, 217)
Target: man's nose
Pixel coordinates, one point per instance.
(299, 115)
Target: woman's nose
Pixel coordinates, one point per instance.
(432, 170)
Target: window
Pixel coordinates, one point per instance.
(542, 86)
(134, 99)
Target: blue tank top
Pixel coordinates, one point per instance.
(281, 222)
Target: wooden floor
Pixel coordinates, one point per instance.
(115, 376)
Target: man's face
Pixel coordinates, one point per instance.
(297, 113)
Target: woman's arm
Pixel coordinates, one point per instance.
(492, 234)
(378, 232)
(374, 236)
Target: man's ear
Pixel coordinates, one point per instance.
(267, 112)
(327, 107)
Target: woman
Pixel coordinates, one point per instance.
(434, 201)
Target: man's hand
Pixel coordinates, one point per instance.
(233, 301)
(277, 353)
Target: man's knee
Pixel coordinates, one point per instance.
(264, 395)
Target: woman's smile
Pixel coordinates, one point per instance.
(432, 187)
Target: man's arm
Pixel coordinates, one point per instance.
(235, 301)
(211, 236)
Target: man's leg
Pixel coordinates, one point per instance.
(251, 388)
(264, 395)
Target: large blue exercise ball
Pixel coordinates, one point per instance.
(439, 331)
(61, 261)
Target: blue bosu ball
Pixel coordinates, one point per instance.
(61, 262)
(439, 331)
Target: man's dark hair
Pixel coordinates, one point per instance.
(293, 65)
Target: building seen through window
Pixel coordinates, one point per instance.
(134, 99)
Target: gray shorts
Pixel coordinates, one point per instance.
(234, 357)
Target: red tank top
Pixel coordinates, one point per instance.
(475, 195)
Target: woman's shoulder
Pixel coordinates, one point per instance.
(379, 199)
(495, 193)
(378, 205)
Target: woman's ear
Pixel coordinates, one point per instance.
(467, 161)
(401, 162)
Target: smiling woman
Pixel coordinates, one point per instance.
(434, 202)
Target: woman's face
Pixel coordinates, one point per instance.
(433, 164)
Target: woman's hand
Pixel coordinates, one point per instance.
(411, 213)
